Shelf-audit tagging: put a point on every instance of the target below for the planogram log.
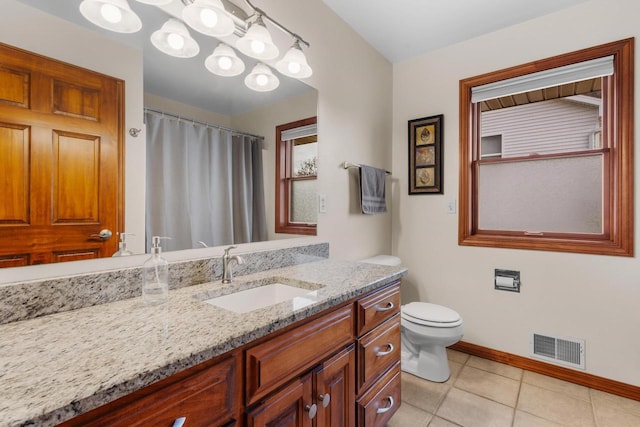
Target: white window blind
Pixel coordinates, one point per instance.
(598, 67)
(300, 132)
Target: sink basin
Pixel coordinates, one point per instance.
(265, 296)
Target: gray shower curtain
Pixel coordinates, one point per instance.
(203, 185)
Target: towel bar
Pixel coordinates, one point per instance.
(348, 165)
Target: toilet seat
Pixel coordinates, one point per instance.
(427, 314)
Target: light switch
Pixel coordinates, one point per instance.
(322, 203)
(451, 206)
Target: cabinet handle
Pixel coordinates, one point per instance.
(384, 353)
(325, 399)
(383, 410)
(312, 410)
(388, 307)
(179, 422)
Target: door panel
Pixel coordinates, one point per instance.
(61, 151)
(14, 173)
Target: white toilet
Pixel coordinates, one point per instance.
(427, 329)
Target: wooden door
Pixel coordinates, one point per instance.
(336, 390)
(287, 408)
(61, 151)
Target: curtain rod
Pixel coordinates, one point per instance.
(194, 121)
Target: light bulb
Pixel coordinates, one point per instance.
(176, 41)
(111, 13)
(294, 67)
(257, 46)
(225, 63)
(209, 18)
(262, 80)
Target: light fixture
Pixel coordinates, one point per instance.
(261, 79)
(224, 62)
(174, 39)
(257, 42)
(294, 63)
(113, 15)
(208, 17)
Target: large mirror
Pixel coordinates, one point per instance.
(182, 87)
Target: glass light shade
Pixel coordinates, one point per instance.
(294, 63)
(224, 62)
(208, 17)
(174, 39)
(112, 15)
(257, 42)
(261, 79)
(155, 2)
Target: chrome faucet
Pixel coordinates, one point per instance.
(227, 274)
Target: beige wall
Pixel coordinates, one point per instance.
(583, 296)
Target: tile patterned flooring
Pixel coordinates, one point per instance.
(483, 393)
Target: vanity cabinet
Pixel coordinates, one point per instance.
(338, 368)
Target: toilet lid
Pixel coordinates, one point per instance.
(430, 314)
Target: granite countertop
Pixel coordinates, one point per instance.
(55, 367)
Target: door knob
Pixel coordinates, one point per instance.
(105, 234)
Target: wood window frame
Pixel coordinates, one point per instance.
(284, 174)
(618, 187)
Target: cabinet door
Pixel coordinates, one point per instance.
(290, 407)
(335, 390)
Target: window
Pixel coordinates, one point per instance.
(296, 174)
(546, 154)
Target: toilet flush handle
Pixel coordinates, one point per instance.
(384, 353)
(388, 307)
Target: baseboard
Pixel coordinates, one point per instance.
(562, 373)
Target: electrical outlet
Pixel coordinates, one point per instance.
(451, 206)
(322, 203)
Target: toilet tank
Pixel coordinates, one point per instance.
(383, 260)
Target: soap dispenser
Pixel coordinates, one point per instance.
(122, 246)
(155, 276)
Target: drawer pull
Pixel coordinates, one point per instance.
(312, 410)
(179, 422)
(383, 410)
(384, 353)
(388, 307)
(325, 399)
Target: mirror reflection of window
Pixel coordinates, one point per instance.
(297, 171)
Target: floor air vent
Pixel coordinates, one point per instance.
(565, 351)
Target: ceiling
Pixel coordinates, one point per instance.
(401, 29)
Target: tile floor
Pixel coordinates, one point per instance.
(482, 393)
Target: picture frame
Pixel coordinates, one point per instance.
(425, 155)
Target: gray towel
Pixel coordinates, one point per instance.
(372, 190)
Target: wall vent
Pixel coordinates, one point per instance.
(564, 351)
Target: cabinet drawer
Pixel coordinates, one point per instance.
(206, 398)
(377, 406)
(378, 307)
(377, 351)
(272, 363)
